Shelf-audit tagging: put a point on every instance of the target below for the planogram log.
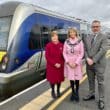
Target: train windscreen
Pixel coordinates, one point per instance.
(5, 23)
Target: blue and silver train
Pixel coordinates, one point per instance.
(24, 32)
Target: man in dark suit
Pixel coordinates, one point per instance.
(95, 50)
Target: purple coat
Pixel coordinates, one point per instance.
(73, 57)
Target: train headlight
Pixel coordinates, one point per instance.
(4, 66)
(4, 62)
(5, 59)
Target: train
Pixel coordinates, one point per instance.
(24, 32)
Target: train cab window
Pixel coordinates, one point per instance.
(5, 23)
(44, 35)
(34, 39)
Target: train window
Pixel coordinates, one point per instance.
(35, 36)
(5, 23)
(45, 35)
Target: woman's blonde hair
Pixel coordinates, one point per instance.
(52, 33)
(73, 30)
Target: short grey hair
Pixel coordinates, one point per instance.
(96, 21)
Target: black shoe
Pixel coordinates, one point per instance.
(72, 98)
(53, 95)
(58, 94)
(77, 97)
(101, 105)
(89, 97)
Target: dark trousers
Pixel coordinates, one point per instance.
(53, 87)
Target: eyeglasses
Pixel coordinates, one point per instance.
(95, 26)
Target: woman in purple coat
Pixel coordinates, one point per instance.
(73, 53)
(55, 63)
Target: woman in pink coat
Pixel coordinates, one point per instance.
(73, 53)
(55, 63)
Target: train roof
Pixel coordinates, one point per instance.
(8, 8)
(53, 13)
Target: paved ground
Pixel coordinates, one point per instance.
(88, 105)
(82, 105)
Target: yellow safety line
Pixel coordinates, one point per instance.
(108, 55)
(58, 101)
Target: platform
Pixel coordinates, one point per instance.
(38, 96)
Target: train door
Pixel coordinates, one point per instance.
(35, 46)
(45, 30)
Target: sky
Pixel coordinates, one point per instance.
(84, 9)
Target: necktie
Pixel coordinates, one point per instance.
(93, 39)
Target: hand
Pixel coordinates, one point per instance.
(90, 61)
(72, 65)
(57, 65)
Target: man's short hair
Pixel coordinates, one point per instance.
(96, 21)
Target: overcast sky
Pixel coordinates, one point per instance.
(84, 9)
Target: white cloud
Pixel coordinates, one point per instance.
(106, 23)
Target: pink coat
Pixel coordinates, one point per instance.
(75, 57)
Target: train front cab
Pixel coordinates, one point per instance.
(13, 81)
(5, 23)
